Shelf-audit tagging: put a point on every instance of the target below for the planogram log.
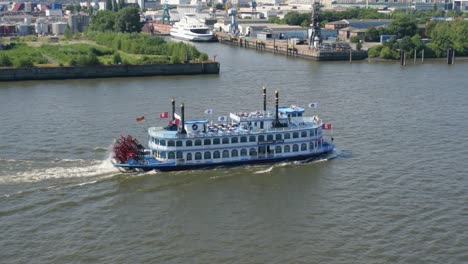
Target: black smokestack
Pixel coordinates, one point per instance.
(183, 131)
(173, 109)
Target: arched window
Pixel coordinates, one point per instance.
(170, 143)
(225, 153)
(278, 149)
(270, 137)
(243, 152)
(312, 132)
(234, 153)
(170, 155)
(216, 141)
(162, 155)
(225, 140)
(179, 155)
(216, 155)
(179, 143)
(189, 156)
(304, 133)
(207, 142)
(207, 155)
(278, 136)
(156, 141)
(311, 145)
(243, 139)
(287, 136)
(188, 143)
(198, 156)
(162, 142)
(261, 138)
(295, 148)
(303, 146)
(252, 139)
(287, 149)
(197, 142)
(295, 135)
(234, 140)
(253, 152)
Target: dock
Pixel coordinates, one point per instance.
(282, 47)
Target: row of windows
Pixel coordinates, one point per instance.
(233, 140)
(234, 153)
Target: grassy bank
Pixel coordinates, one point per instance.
(97, 49)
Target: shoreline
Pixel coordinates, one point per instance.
(107, 71)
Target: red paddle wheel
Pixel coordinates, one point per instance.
(126, 148)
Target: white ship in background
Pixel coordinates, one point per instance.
(191, 28)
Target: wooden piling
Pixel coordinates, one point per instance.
(449, 56)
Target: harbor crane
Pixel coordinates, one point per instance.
(315, 39)
(231, 11)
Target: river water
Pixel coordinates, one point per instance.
(396, 192)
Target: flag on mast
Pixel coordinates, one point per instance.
(327, 126)
(140, 119)
(313, 105)
(222, 118)
(209, 111)
(164, 115)
(174, 122)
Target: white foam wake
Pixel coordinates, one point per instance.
(62, 169)
(265, 171)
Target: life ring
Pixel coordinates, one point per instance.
(194, 127)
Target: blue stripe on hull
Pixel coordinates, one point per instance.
(228, 164)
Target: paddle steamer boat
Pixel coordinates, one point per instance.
(284, 134)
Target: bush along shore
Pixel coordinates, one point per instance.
(100, 49)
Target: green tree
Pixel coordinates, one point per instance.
(295, 18)
(372, 35)
(387, 53)
(203, 57)
(128, 20)
(417, 43)
(374, 51)
(104, 20)
(406, 44)
(403, 26)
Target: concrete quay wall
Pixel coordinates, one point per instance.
(52, 73)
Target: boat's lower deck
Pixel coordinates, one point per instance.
(149, 163)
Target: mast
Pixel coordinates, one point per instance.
(264, 106)
(277, 113)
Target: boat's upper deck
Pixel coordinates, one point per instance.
(239, 125)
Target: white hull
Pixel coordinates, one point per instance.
(187, 35)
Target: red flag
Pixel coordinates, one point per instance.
(164, 115)
(327, 126)
(174, 122)
(140, 119)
